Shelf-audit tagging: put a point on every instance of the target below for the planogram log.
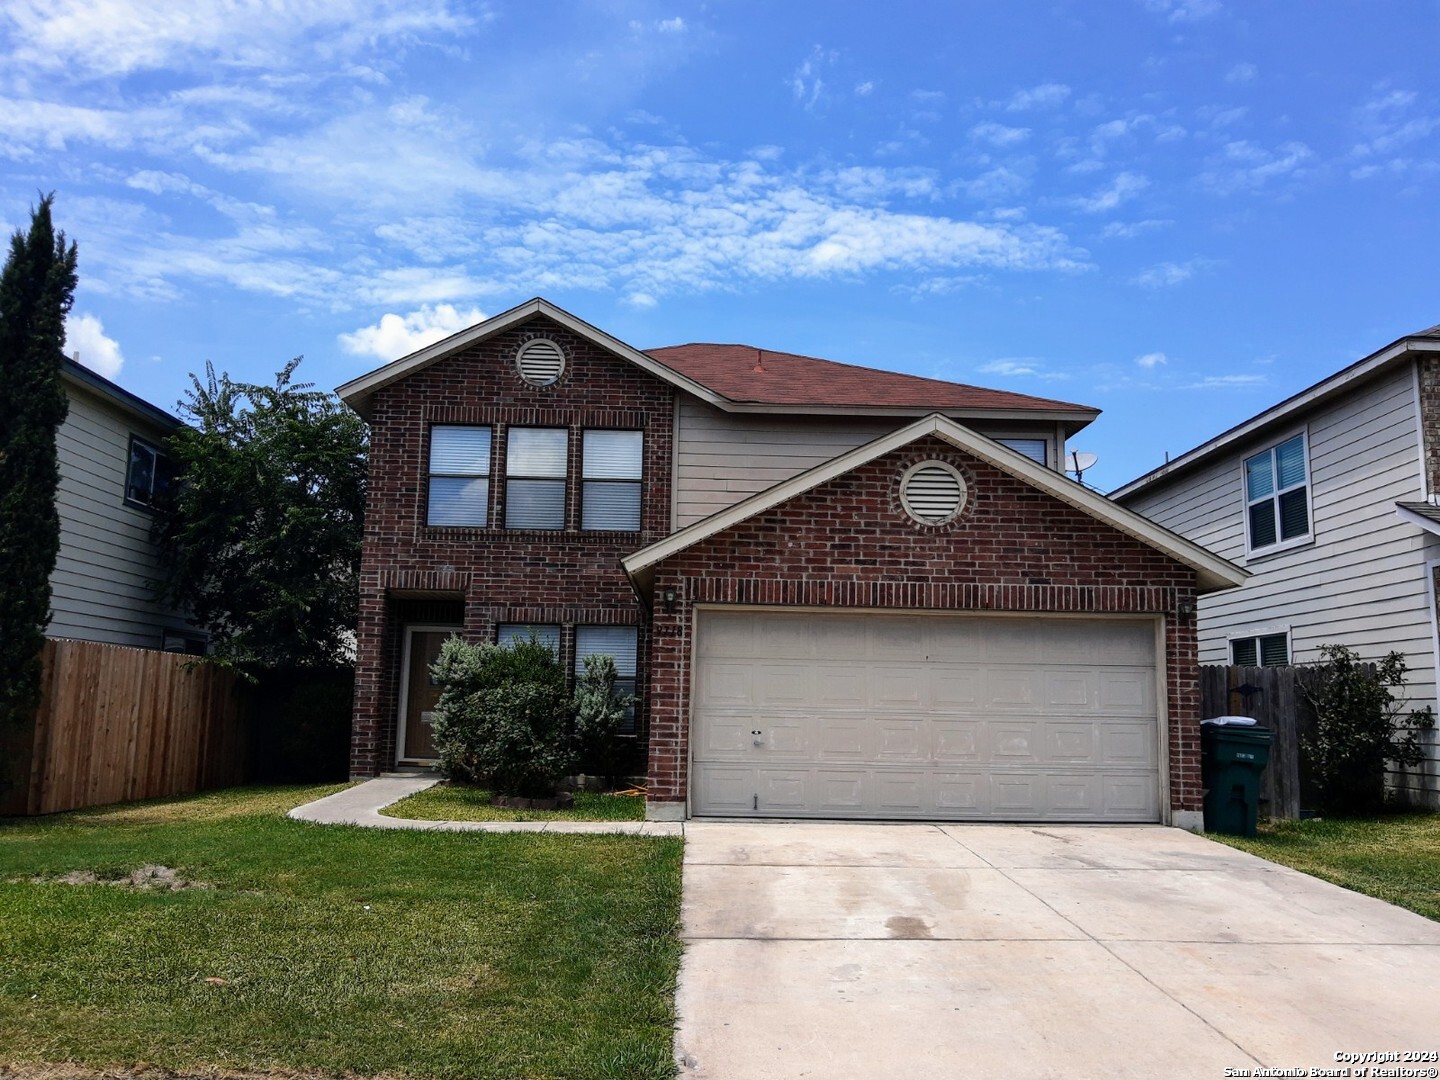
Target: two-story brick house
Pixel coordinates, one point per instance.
(840, 592)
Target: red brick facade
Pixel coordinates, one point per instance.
(848, 544)
(410, 571)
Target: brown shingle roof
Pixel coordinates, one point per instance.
(744, 373)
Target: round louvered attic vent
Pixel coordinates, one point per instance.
(540, 362)
(932, 492)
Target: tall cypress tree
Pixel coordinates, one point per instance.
(37, 287)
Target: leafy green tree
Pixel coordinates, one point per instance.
(1359, 726)
(37, 287)
(262, 540)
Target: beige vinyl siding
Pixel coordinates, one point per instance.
(1361, 582)
(722, 458)
(99, 587)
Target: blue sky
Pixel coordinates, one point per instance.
(1179, 211)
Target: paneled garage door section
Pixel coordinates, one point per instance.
(930, 717)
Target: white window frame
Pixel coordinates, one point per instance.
(1255, 635)
(158, 457)
(1308, 537)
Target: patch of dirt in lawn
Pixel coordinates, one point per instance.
(155, 878)
(63, 1071)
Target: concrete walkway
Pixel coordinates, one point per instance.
(361, 805)
(863, 951)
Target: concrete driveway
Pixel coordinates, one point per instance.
(875, 951)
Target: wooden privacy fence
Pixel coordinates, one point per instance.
(1275, 697)
(117, 724)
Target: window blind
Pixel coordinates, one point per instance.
(535, 467)
(459, 491)
(611, 467)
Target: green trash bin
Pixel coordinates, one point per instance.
(1231, 761)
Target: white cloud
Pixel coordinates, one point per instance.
(117, 37)
(1390, 122)
(1128, 230)
(938, 286)
(1183, 11)
(1009, 367)
(1165, 274)
(1242, 74)
(642, 300)
(995, 184)
(1244, 166)
(1027, 367)
(86, 343)
(1044, 96)
(865, 89)
(1226, 382)
(999, 134)
(1150, 360)
(399, 335)
(671, 26)
(806, 85)
(1125, 186)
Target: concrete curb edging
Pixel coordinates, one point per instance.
(361, 805)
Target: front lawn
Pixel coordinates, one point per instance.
(1395, 857)
(324, 949)
(446, 803)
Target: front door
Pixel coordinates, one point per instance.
(421, 694)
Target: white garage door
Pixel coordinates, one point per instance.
(931, 717)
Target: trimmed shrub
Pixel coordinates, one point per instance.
(1359, 726)
(503, 717)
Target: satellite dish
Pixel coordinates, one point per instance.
(1079, 461)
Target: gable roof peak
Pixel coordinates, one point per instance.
(1212, 572)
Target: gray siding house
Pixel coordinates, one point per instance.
(113, 470)
(1331, 500)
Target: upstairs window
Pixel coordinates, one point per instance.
(1264, 650)
(619, 642)
(1277, 495)
(610, 484)
(535, 468)
(1035, 449)
(148, 477)
(459, 475)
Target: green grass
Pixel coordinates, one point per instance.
(445, 803)
(1395, 857)
(421, 954)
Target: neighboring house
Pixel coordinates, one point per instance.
(840, 592)
(113, 470)
(1329, 499)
